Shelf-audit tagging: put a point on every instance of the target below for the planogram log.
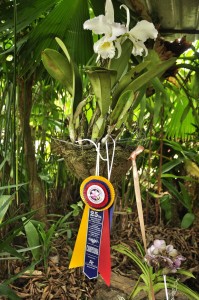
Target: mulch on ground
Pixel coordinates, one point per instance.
(60, 282)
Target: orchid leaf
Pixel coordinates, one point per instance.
(124, 103)
(102, 81)
(64, 70)
(120, 64)
(145, 78)
(127, 79)
(98, 128)
(58, 67)
(63, 47)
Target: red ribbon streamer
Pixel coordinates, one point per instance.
(105, 257)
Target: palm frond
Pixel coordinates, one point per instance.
(40, 22)
(181, 124)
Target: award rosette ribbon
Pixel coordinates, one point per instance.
(92, 246)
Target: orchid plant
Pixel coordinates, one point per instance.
(103, 99)
(155, 265)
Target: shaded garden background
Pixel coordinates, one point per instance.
(35, 182)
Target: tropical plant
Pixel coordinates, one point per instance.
(40, 237)
(103, 100)
(10, 229)
(153, 278)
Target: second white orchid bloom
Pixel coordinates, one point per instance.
(105, 24)
(142, 31)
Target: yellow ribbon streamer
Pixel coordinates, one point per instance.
(77, 259)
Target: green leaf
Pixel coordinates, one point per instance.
(158, 103)
(5, 201)
(165, 203)
(142, 112)
(171, 164)
(187, 220)
(120, 64)
(8, 292)
(127, 79)
(144, 78)
(194, 85)
(58, 67)
(124, 103)
(186, 197)
(102, 81)
(186, 273)
(33, 239)
(98, 128)
(4, 246)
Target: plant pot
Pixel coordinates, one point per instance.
(81, 159)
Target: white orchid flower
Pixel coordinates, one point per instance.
(142, 31)
(105, 48)
(104, 24)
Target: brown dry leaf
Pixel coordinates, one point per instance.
(45, 293)
(23, 295)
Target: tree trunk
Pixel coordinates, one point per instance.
(36, 187)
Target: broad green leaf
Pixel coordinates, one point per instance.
(6, 291)
(33, 239)
(58, 67)
(120, 64)
(123, 104)
(5, 201)
(171, 164)
(158, 103)
(131, 75)
(187, 220)
(98, 128)
(76, 79)
(102, 81)
(146, 77)
(172, 189)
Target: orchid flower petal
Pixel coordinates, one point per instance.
(144, 30)
(109, 11)
(127, 15)
(117, 29)
(98, 25)
(138, 47)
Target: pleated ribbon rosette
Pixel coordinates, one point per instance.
(92, 246)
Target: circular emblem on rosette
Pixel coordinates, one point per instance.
(97, 192)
